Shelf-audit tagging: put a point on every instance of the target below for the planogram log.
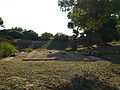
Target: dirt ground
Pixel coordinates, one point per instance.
(39, 55)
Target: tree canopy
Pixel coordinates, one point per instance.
(19, 33)
(1, 22)
(90, 14)
(61, 37)
(46, 36)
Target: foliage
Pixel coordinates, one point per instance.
(68, 49)
(110, 53)
(59, 75)
(57, 45)
(30, 35)
(7, 49)
(19, 33)
(107, 33)
(1, 22)
(46, 36)
(118, 27)
(17, 29)
(28, 50)
(61, 36)
(78, 49)
(16, 32)
(90, 14)
(6, 38)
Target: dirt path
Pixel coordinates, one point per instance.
(45, 55)
(60, 55)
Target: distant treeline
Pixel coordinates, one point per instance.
(19, 33)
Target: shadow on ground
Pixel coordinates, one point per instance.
(86, 82)
(49, 44)
(109, 53)
(73, 56)
(58, 45)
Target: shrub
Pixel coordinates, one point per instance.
(68, 49)
(28, 50)
(61, 37)
(6, 39)
(7, 49)
(46, 36)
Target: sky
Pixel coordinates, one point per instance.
(38, 15)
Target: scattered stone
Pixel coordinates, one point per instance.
(63, 53)
(86, 59)
(94, 46)
(49, 55)
(85, 53)
(94, 58)
(29, 85)
(13, 55)
(8, 58)
(39, 59)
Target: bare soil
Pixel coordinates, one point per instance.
(54, 55)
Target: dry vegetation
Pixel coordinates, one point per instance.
(68, 73)
(59, 75)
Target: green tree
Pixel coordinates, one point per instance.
(15, 35)
(118, 26)
(19, 33)
(4, 32)
(61, 36)
(30, 35)
(90, 14)
(1, 22)
(46, 36)
(16, 32)
(13, 32)
(109, 32)
(17, 29)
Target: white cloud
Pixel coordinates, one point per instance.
(39, 15)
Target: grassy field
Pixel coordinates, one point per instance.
(59, 75)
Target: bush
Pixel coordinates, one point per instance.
(6, 39)
(61, 37)
(46, 36)
(28, 50)
(7, 49)
(68, 49)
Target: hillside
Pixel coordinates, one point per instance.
(49, 44)
(69, 71)
(50, 67)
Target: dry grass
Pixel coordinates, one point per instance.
(59, 75)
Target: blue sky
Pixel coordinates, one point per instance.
(38, 15)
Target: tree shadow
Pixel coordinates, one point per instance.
(109, 53)
(49, 44)
(72, 56)
(22, 44)
(85, 82)
(57, 45)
